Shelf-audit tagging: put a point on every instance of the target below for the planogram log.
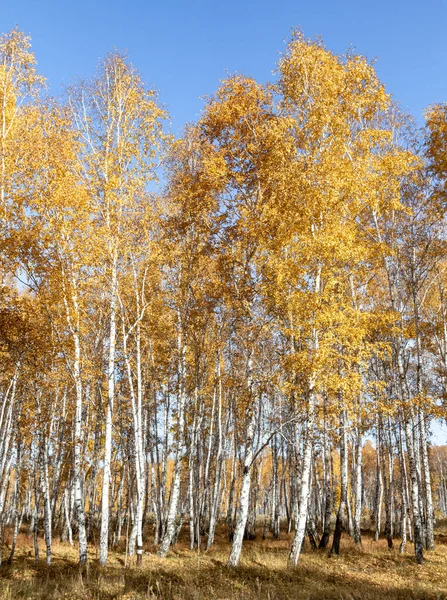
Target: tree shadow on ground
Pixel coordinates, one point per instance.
(64, 579)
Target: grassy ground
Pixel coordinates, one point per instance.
(368, 573)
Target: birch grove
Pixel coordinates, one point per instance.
(241, 332)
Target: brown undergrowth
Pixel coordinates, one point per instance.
(370, 572)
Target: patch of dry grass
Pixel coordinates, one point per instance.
(368, 573)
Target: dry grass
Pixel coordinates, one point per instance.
(368, 573)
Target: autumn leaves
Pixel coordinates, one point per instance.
(263, 294)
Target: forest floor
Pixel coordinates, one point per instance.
(370, 572)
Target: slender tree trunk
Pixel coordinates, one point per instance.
(104, 533)
(46, 499)
(238, 536)
(379, 483)
(358, 489)
(16, 500)
(301, 518)
(429, 510)
(339, 524)
(215, 500)
(417, 525)
(324, 541)
(170, 530)
(388, 462)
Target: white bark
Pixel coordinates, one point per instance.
(105, 518)
(414, 487)
(170, 529)
(358, 490)
(45, 484)
(430, 513)
(303, 499)
(236, 548)
(215, 500)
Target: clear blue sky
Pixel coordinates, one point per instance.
(184, 48)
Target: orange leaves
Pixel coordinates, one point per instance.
(436, 148)
(19, 88)
(329, 94)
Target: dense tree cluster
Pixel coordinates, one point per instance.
(262, 338)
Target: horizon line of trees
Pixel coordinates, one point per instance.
(220, 347)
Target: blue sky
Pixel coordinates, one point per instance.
(184, 48)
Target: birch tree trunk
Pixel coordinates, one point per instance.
(324, 541)
(215, 500)
(417, 525)
(404, 492)
(244, 500)
(137, 417)
(303, 499)
(46, 498)
(104, 533)
(170, 529)
(358, 489)
(429, 510)
(339, 524)
(389, 487)
(77, 455)
(379, 484)
(16, 500)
